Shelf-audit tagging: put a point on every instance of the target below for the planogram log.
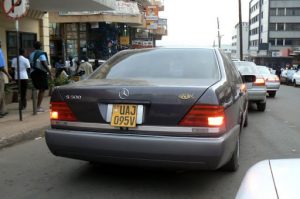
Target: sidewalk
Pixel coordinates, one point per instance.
(12, 130)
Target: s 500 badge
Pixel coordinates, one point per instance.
(73, 97)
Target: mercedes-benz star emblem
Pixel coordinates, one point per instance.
(124, 93)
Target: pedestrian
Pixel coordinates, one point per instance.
(24, 66)
(40, 72)
(86, 67)
(3, 110)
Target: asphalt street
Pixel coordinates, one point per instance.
(29, 170)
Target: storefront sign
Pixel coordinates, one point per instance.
(151, 25)
(124, 40)
(142, 43)
(152, 13)
(276, 54)
(122, 7)
(162, 22)
(15, 8)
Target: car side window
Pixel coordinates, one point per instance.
(229, 69)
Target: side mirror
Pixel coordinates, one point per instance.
(248, 78)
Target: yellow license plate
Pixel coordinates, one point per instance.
(124, 115)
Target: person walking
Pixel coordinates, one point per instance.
(24, 65)
(40, 72)
(3, 110)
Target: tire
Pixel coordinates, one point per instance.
(261, 106)
(272, 93)
(233, 164)
(246, 120)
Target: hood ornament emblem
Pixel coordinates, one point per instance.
(124, 93)
(185, 96)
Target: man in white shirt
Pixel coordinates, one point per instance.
(24, 65)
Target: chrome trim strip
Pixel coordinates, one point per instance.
(109, 112)
(140, 128)
(140, 114)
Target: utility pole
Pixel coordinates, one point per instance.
(240, 30)
(219, 36)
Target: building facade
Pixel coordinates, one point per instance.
(235, 54)
(100, 34)
(274, 31)
(35, 25)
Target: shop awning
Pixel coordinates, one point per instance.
(73, 5)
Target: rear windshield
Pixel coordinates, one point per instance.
(246, 68)
(264, 70)
(160, 63)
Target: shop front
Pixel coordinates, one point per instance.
(95, 40)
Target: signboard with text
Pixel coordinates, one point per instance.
(152, 13)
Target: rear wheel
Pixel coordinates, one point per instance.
(272, 93)
(246, 120)
(233, 163)
(261, 106)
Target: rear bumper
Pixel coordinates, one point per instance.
(272, 86)
(257, 94)
(144, 150)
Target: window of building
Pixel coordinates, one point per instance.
(272, 26)
(272, 42)
(288, 42)
(279, 42)
(293, 26)
(280, 27)
(281, 12)
(273, 12)
(26, 42)
(293, 11)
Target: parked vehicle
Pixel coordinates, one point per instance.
(296, 78)
(178, 107)
(272, 179)
(272, 81)
(257, 90)
(290, 73)
(283, 77)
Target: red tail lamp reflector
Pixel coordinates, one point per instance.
(61, 111)
(259, 82)
(204, 116)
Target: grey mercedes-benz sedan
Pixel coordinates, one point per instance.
(167, 107)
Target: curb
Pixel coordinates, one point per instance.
(22, 136)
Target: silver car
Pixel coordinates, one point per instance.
(272, 179)
(257, 90)
(272, 81)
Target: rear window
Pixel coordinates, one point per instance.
(160, 63)
(264, 70)
(246, 68)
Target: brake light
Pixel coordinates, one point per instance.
(272, 79)
(259, 82)
(61, 111)
(204, 116)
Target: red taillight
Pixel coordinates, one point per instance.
(204, 116)
(259, 82)
(61, 111)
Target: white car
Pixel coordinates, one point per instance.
(272, 81)
(271, 179)
(296, 78)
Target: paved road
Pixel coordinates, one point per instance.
(28, 170)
